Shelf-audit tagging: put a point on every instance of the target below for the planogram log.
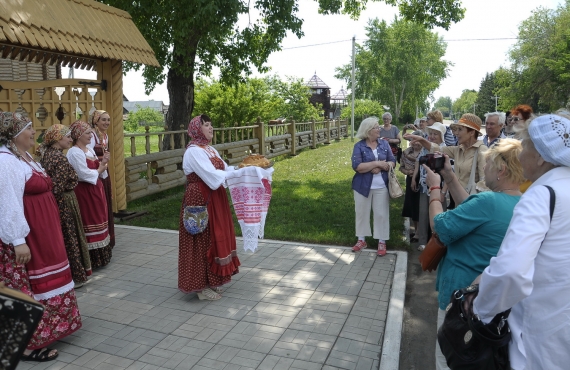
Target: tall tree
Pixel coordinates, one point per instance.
(399, 64)
(485, 98)
(466, 102)
(443, 104)
(190, 37)
(540, 72)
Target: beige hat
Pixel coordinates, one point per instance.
(438, 126)
(470, 120)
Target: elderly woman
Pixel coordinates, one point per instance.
(372, 158)
(207, 260)
(519, 115)
(56, 139)
(32, 251)
(411, 207)
(531, 273)
(436, 134)
(437, 116)
(475, 229)
(467, 130)
(100, 121)
(90, 193)
(391, 134)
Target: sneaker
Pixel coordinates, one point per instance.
(421, 247)
(360, 245)
(381, 249)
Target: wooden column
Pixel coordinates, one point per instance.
(314, 131)
(260, 132)
(293, 133)
(112, 71)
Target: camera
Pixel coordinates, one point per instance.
(433, 161)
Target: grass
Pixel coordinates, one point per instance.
(312, 201)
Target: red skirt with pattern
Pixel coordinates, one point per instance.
(208, 259)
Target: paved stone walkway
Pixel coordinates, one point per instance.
(292, 306)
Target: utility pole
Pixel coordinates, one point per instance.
(474, 105)
(353, 66)
(496, 98)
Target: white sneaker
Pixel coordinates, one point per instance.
(421, 247)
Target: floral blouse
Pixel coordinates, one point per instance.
(62, 174)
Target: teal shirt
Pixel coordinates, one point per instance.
(473, 233)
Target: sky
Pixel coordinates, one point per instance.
(327, 45)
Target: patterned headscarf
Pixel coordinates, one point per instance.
(96, 116)
(11, 125)
(52, 135)
(195, 132)
(78, 128)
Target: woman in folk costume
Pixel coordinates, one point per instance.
(209, 259)
(56, 139)
(90, 193)
(100, 122)
(32, 252)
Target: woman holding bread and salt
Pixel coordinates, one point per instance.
(206, 260)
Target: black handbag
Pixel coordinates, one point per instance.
(469, 344)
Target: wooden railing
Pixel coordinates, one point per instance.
(156, 170)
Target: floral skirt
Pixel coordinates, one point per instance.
(61, 316)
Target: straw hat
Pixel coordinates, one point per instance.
(470, 120)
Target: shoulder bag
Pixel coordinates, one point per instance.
(432, 254)
(471, 185)
(469, 344)
(195, 218)
(394, 188)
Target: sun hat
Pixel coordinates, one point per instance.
(470, 120)
(550, 135)
(438, 126)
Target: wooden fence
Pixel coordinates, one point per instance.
(151, 173)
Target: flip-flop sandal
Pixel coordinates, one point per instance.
(41, 355)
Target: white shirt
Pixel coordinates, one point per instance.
(377, 180)
(197, 160)
(13, 176)
(531, 274)
(78, 160)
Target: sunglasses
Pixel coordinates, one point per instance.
(514, 119)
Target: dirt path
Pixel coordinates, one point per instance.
(420, 315)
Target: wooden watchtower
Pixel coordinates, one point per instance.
(321, 94)
(38, 37)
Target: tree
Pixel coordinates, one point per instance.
(267, 98)
(540, 72)
(363, 108)
(399, 65)
(443, 104)
(465, 103)
(485, 101)
(146, 114)
(191, 37)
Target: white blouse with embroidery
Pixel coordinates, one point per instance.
(14, 174)
(197, 160)
(78, 160)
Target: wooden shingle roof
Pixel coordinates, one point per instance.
(71, 32)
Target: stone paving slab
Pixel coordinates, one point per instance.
(292, 306)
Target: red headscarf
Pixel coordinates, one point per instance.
(195, 132)
(78, 128)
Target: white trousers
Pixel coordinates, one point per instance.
(379, 202)
(440, 361)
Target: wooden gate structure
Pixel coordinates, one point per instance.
(38, 37)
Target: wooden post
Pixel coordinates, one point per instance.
(184, 138)
(171, 141)
(147, 140)
(292, 132)
(261, 135)
(328, 126)
(338, 129)
(112, 71)
(133, 146)
(314, 130)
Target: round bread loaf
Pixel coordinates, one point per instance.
(255, 160)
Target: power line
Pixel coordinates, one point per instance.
(414, 40)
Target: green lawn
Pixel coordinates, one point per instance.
(312, 201)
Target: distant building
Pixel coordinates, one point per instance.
(132, 106)
(321, 94)
(339, 101)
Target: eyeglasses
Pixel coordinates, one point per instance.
(386, 119)
(375, 128)
(514, 119)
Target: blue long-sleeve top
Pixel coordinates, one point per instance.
(362, 153)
